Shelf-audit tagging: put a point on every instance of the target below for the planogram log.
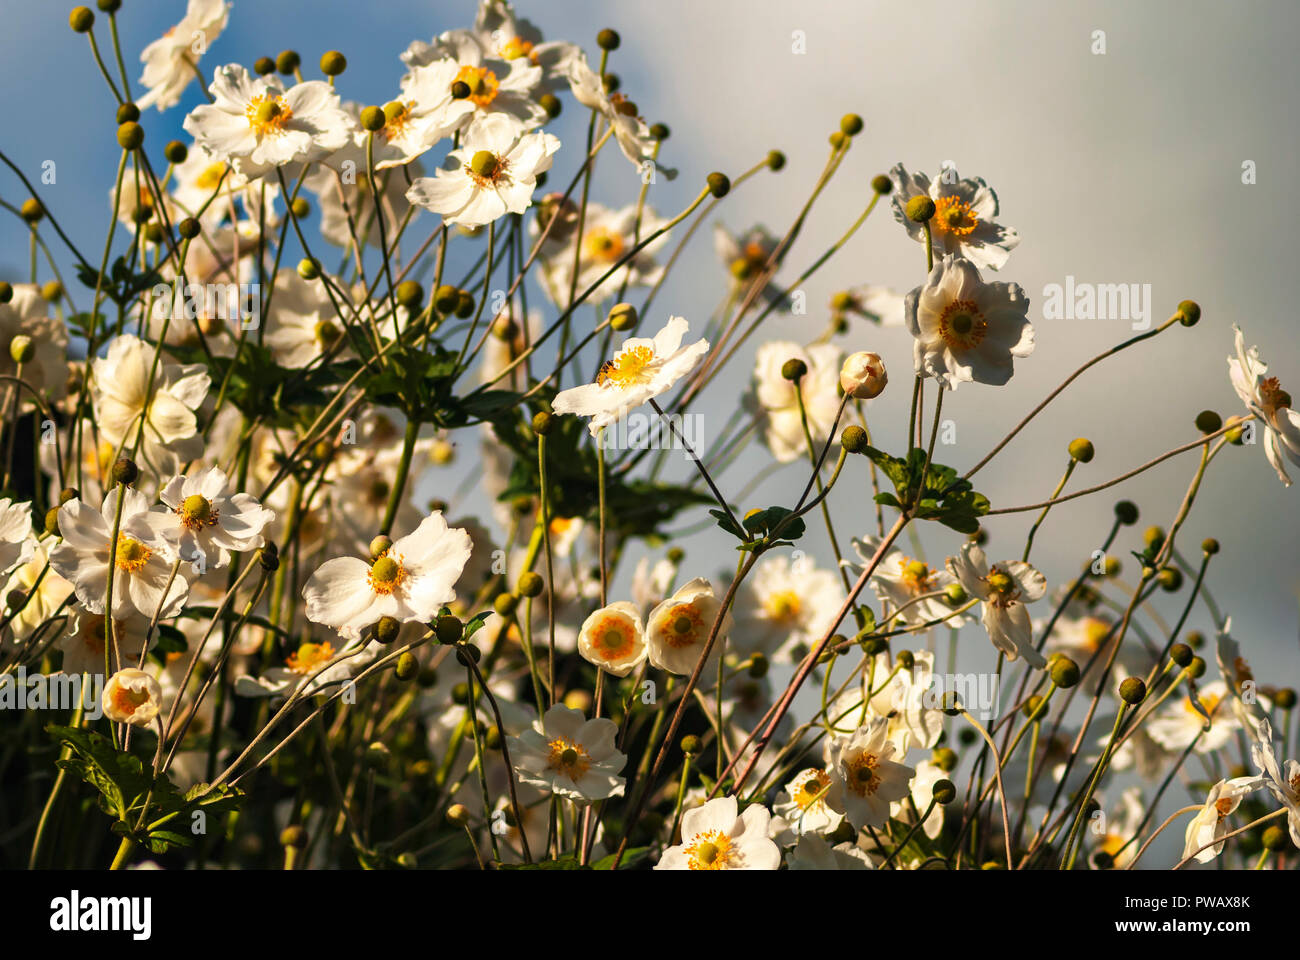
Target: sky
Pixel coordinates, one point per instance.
(1122, 166)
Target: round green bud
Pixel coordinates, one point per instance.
(130, 135)
(505, 604)
(1285, 698)
(387, 629)
(775, 160)
(955, 594)
(794, 369)
(293, 836)
(842, 301)
(52, 291)
(758, 666)
(492, 739)
(1196, 669)
(611, 82)
(1275, 838)
(445, 298)
(464, 304)
(407, 666)
(309, 268)
(675, 556)
(189, 228)
(1189, 312)
(719, 184)
(980, 536)
(31, 210)
(623, 317)
(373, 119)
(1170, 579)
(15, 600)
(6, 291)
(1064, 672)
(945, 758)
(881, 184)
(1101, 860)
(460, 90)
(1126, 512)
(52, 521)
(837, 140)
(263, 66)
(128, 113)
(1181, 654)
(155, 233)
(542, 423)
(410, 294)
(1207, 421)
(1153, 536)
(1237, 434)
(467, 653)
(109, 6)
(125, 471)
(1195, 639)
(448, 629)
(81, 19)
(460, 693)
(1034, 707)
(300, 208)
(944, 792)
(377, 755)
(1133, 690)
(919, 209)
(458, 815)
(851, 124)
(379, 546)
(906, 660)
(949, 703)
(332, 63)
(691, 745)
(551, 104)
(608, 39)
(1081, 449)
(22, 349)
(1209, 546)
(853, 439)
(288, 61)
(530, 584)
(176, 152)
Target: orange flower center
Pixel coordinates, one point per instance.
(128, 701)
(132, 555)
(918, 577)
(569, 758)
(482, 84)
(614, 638)
(953, 216)
(309, 656)
(386, 574)
(603, 245)
(684, 623)
(268, 115)
(810, 790)
(711, 850)
(962, 326)
(862, 777)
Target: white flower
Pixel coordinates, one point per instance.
(207, 523)
(882, 306)
(678, 627)
(121, 387)
(784, 607)
(170, 61)
(83, 645)
(303, 323)
(815, 853)
(865, 779)
(142, 556)
(1265, 398)
(422, 114)
(46, 592)
(1283, 783)
(967, 330)
(1118, 841)
(1209, 825)
(900, 582)
(257, 125)
(1178, 723)
(630, 130)
(15, 534)
(28, 314)
(492, 174)
(411, 580)
(963, 216)
(908, 701)
(642, 369)
(313, 668)
(607, 237)
(502, 36)
(715, 838)
(570, 756)
(802, 803)
(132, 696)
(922, 792)
(497, 88)
(1005, 588)
(774, 398)
(613, 639)
(745, 256)
(863, 375)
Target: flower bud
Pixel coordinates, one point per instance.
(1081, 449)
(944, 792)
(505, 604)
(449, 629)
(851, 124)
(130, 135)
(1133, 690)
(542, 423)
(1064, 672)
(445, 298)
(300, 208)
(309, 268)
(125, 471)
(409, 294)
(189, 228)
(263, 66)
(1126, 512)
(373, 119)
(31, 210)
(794, 369)
(458, 815)
(1207, 421)
(332, 63)
(775, 160)
(863, 375)
(1275, 838)
(1285, 698)
(464, 303)
(1195, 639)
(1196, 669)
(81, 19)
(293, 836)
(719, 184)
(530, 584)
(1034, 707)
(1209, 546)
(853, 439)
(1170, 579)
(945, 758)
(22, 349)
(467, 653)
(955, 594)
(6, 291)
(691, 745)
(919, 209)
(407, 666)
(659, 132)
(758, 666)
(288, 61)
(579, 700)
(269, 557)
(128, 113)
(608, 39)
(1181, 654)
(881, 184)
(1189, 312)
(52, 291)
(387, 629)
(623, 317)
(131, 696)
(1237, 434)
(52, 521)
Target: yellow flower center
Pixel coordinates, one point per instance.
(326, 333)
(309, 656)
(916, 575)
(128, 701)
(862, 777)
(386, 574)
(962, 326)
(684, 622)
(711, 850)
(514, 48)
(569, 758)
(196, 512)
(1208, 700)
(268, 115)
(397, 117)
(210, 177)
(1094, 632)
(810, 791)
(603, 245)
(482, 84)
(630, 367)
(953, 216)
(783, 606)
(614, 638)
(486, 168)
(132, 555)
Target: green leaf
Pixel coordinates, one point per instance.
(119, 777)
(632, 857)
